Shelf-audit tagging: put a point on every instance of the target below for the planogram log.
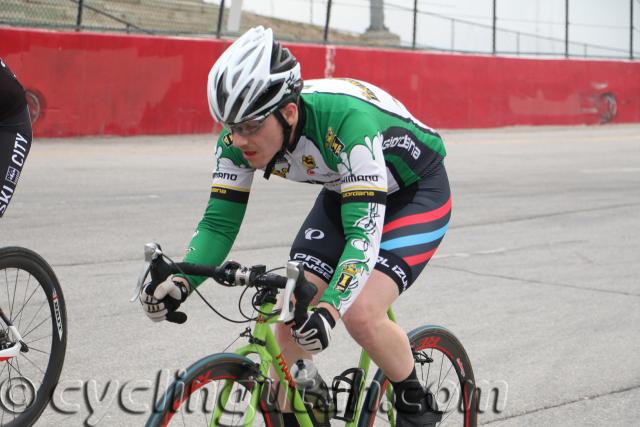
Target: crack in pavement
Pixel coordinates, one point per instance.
(285, 245)
(559, 405)
(502, 250)
(547, 215)
(537, 282)
(172, 256)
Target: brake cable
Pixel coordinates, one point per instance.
(195, 289)
(248, 319)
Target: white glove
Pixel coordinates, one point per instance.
(160, 302)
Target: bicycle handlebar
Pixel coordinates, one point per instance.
(232, 273)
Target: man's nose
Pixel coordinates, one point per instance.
(239, 141)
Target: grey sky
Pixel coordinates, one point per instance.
(595, 22)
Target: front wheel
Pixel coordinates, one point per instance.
(443, 366)
(217, 390)
(32, 301)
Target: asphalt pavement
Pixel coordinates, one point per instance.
(538, 276)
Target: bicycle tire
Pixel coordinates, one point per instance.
(217, 367)
(14, 263)
(429, 339)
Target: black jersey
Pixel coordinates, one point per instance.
(12, 99)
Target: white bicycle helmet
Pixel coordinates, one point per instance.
(252, 78)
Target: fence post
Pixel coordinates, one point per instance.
(415, 22)
(494, 27)
(566, 28)
(326, 22)
(453, 34)
(220, 14)
(79, 18)
(631, 29)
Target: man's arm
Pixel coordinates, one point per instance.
(364, 191)
(216, 232)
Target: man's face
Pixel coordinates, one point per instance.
(259, 147)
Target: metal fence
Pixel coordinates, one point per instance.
(491, 27)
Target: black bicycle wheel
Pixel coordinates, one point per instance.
(443, 366)
(31, 297)
(193, 397)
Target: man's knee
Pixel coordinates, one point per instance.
(361, 322)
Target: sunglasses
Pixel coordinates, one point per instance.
(248, 127)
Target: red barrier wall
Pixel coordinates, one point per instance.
(97, 84)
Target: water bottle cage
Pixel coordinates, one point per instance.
(353, 386)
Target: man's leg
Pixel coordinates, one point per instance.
(15, 142)
(368, 324)
(388, 345)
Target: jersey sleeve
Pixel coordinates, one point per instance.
(225, 210)
(363, 187)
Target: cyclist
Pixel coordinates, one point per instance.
(15, 134)
(382, 213)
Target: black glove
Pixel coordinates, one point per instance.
(314, 334)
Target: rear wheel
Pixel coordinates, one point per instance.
(223, 381)
(32, 300)
(444, 367)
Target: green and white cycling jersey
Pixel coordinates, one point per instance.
(351, 137)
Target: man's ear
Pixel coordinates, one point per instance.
(290, 113)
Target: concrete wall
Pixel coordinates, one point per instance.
(98, 84)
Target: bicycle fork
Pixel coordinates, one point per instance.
(9, 350)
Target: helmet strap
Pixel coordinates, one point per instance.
(286, 133)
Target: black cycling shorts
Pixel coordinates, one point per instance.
(15, 142)
(416, 220)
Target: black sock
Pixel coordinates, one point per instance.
(290, 420)
(409, 394)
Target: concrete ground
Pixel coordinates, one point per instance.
(539, 274)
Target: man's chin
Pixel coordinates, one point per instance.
(255, 163)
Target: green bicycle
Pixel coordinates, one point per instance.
(229, 389)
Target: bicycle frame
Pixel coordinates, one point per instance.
(14, 350)
(270, 354)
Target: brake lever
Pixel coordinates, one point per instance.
(294, 270)
(152, 251)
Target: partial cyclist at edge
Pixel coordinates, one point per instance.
(383, 210)
(15, 134)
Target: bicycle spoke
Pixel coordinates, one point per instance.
(38, 350)
(446, 416)
(429, 367)
(34, 364)
(25, 304)
(445, 409)
(15, 366)
(6, 281)
(28, 282)
(15, 286)
(446, 375)
(11, 384)
(21, 376)
(38, 325)
(21, 312)
(36, 340)
(3, 368)
(440, 375)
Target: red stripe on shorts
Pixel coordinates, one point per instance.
(419, 218)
